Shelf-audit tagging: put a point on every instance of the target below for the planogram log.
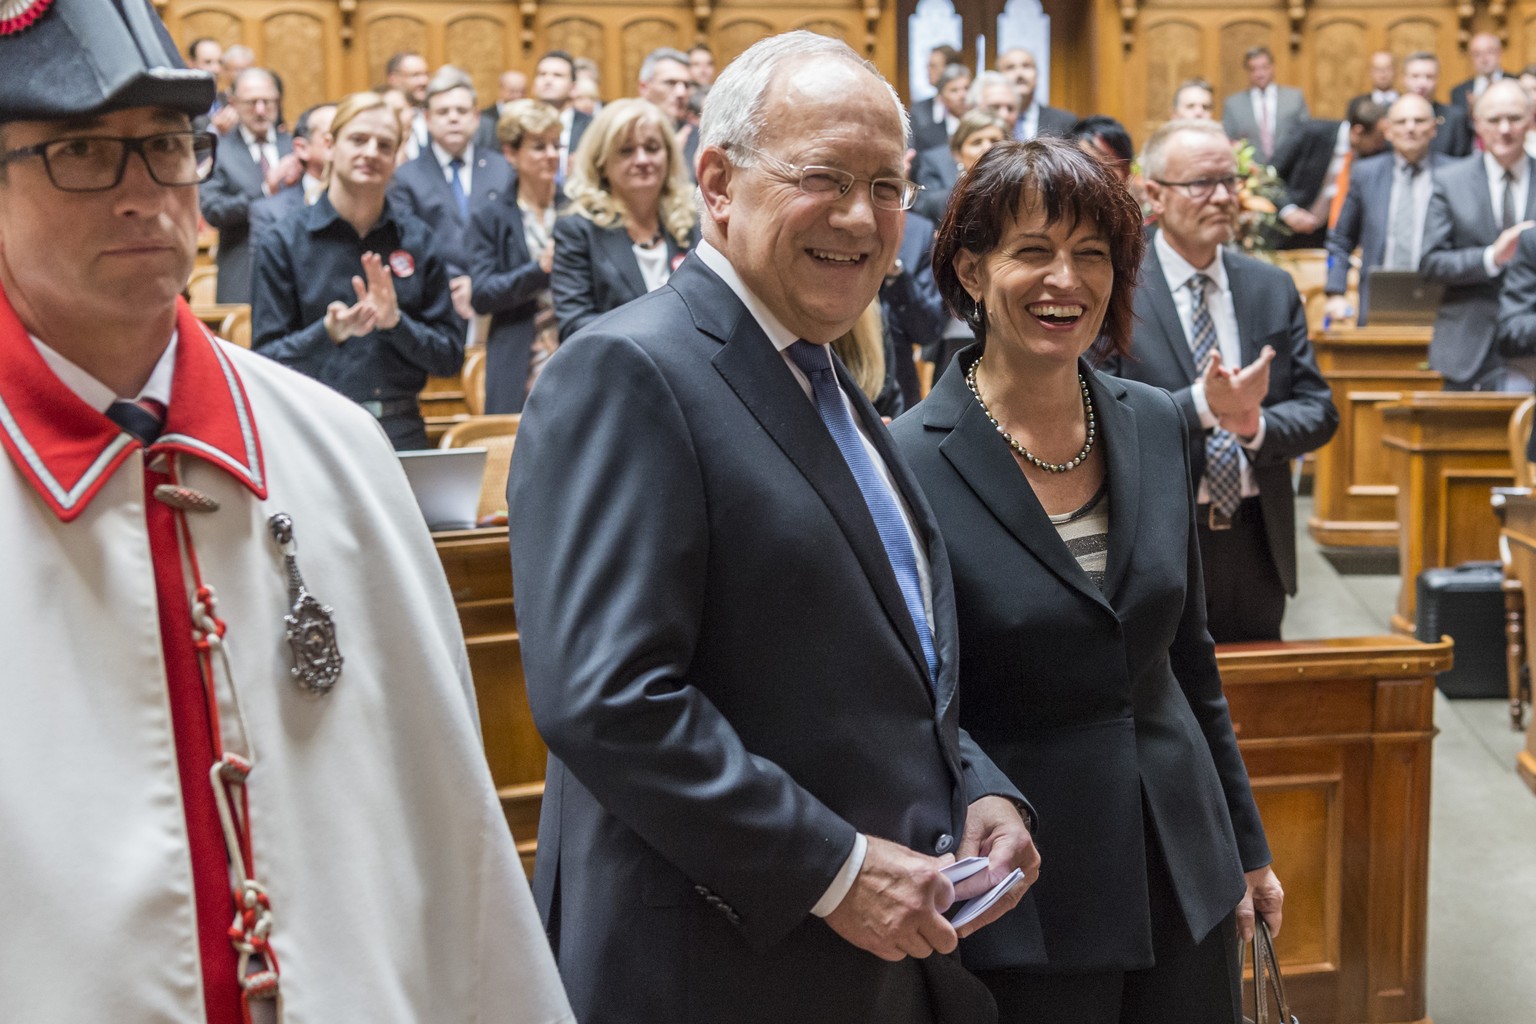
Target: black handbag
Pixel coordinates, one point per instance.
(1269, 1003)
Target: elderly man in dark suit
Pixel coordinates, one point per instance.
(1265, 114)
(451, 177)
(1256, 405)
(736, 613)
(1421, 76)
(932, 123)
(254, 160)
(312, 148)
(1317, 162)
(1477, 212)
(1385, 208)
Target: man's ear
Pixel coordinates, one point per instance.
(1154, 196)
(716, 176)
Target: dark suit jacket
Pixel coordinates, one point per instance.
(721, 662)
(595, 270)
(936, 170)
(506, 280)
(926, 132)
(912, 307)
(1363, 223)
(1462, 223)
(1302, 162)
(225, 199)
(1104, 706)
(1461, 95)
(1241, 122)
(1299, 413)
(1052, 121)
(485, 134)
(1454, 135)
(1517, 300)
(579, 123)
(421, 189)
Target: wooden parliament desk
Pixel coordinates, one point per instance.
(479, 571)
(1519, 535)
(1447, 450)
(1354, 501)
(1336, 735)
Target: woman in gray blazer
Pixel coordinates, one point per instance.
(1086, 671)
(631, 217)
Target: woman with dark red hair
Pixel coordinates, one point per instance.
(1086, 670)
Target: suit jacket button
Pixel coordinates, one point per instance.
(945, 842)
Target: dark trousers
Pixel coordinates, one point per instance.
(407, 431)
(1244, 598)
(1191, 982)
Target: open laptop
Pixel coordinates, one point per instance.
(1401, 298)
(446, 482)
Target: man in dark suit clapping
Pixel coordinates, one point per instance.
(1259, 401)
(736, 611)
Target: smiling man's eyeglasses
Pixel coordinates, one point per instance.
(1202, 189)
(830, 184)
(95, 163)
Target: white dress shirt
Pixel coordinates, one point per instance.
(1218, 300)
(1028, 124)
(1495, 172)
(1265, 102)
(96, 394)
(782, 337)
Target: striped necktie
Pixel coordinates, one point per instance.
(1223, 472)
(143, 418)
(816, 362)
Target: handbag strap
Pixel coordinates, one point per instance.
(1267, 981)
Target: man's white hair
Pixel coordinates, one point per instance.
(992, 79)
(733, 113)
(1154, 158)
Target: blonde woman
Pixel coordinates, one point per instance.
(936, 169)
(866, 351)
(631, 217)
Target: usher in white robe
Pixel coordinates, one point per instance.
(397, 895)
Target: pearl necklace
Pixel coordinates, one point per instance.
(1049, 467)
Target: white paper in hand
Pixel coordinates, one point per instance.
(974, 907)
(960, 870)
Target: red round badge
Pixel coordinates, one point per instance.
(16, 15)
(401, 263)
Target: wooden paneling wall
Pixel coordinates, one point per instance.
(326, 48)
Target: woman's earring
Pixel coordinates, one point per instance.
(977, 315)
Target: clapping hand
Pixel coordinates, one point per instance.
(376, 307)
(1234, 396)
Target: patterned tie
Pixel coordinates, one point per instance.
(1400, 254)
(261, 157)
(1223, 473)
(816, 362)
(1266, 129)
(143, 418)
(455, 169)
(1509, 200)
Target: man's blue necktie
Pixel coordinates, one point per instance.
(455, 170)
(816, 362)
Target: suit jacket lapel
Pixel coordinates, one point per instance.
(1122, 450)
(755, 371)
(618, 252)
(984, 461)
(1248, 345)
(1155, 286)
(1530, 190)
(244, 168)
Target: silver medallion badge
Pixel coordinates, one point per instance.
(310, 630)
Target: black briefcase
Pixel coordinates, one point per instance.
(1467, 604)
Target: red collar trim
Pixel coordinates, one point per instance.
(68, 451)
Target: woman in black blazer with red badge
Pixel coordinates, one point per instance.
(1086, 671)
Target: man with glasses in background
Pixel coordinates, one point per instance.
(254, 160)
(736, 614)
(227, 799)
(1226, 335)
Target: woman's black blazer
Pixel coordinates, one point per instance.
(595, 270)
(506, 280)
(1102, 707)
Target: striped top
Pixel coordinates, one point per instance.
(1086, 534)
